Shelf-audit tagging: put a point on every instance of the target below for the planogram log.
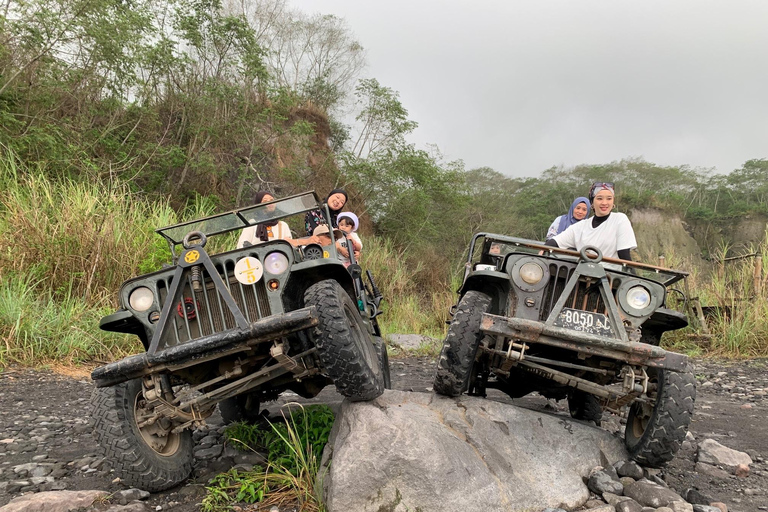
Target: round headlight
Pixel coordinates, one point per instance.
(638, 297)
(531, 272)
(276, 263)
(141, 298)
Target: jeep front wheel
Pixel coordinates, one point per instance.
(147, 456)
(656, 428)
(344, 346)
(461, 343)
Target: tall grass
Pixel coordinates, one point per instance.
(65, 248)
(407, 308)
(294, 449)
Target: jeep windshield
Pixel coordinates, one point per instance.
(242, 217)
(499, 246)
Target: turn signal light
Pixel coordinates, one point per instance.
(273, 284)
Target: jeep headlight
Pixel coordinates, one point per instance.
(638, 298)
(276, 263)
(141, 298)
(531, 272)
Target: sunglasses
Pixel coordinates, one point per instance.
(598, 184)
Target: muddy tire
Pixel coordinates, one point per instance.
(344, 346)
(655, 431)
(381, 350)
(239, 408)
(584, 406)
(457, 356)
(141, 458)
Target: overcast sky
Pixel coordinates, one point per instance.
(523, 86)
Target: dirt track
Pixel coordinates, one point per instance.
(43, 421)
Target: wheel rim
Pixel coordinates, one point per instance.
(366, 349)
(157, 436)
(642, 416)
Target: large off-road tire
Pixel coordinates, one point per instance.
(344, 346)
(381, 350)
(239, 408)
(584, 406)
(655, 430)
(457, 356)
(141, 458)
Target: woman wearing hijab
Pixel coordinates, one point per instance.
(336, 200)
(579, 210)
(265, 231)
(609, 231)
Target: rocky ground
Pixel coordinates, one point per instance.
(46, 444)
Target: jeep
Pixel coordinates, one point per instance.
(233, 327)
(573, 325)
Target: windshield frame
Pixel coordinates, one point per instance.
(671, 275)
(239, 219)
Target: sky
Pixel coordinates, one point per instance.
(521, 86)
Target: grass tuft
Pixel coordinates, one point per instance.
(293, 449)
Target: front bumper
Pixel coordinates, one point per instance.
(531, 331)
(206, 348)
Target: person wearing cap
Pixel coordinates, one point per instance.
(321, 235)
(348, 223)
(609, 231)
(580, 209)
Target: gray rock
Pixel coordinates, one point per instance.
(131, 507)
(680, 506)
(631, 469)
(651, 494)
(705, 508)
(712, 452)
(410, 341)
(128, 495)
(694, 497)
(466, 447)
(209, 453)
(709, 470)
(594, 503)
(600, 482)
(614, 499)
(629, 505)
(660, 509)
(602, 508)
(53, 501)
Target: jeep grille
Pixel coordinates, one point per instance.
(204, 312)
(585, 297)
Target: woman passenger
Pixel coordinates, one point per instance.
(579, 210)
(609, 231)
(336, 200)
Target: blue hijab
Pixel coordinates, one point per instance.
(567, 220)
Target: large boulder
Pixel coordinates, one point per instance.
(417, 451)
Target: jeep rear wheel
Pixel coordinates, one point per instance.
(149, 456)
(584, 406)
(656, 429)
(239, 408)
(344, 346)
(461, 343)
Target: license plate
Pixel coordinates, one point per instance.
(584, 321)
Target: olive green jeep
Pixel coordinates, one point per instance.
(572, 325)
(233, 327)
